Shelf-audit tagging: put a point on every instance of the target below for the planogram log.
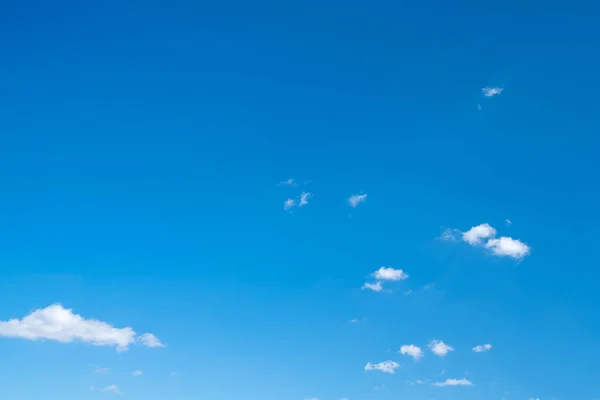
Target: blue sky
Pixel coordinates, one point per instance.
(145, 150)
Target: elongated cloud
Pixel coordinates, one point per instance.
(484, 235)
(388, 367)
(389, 274)
(289, 182)
(111, 388)
(492, 91)
(411, 350)
(480, 348)
(454, 382)
(62, 325)
(304, 199)
(439, 348)
(376, 287)
(137, 373)
(507, 246)
(356, 199)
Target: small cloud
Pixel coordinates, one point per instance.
(353, 321)
(304, 199)
(356, 199)
(449, 235)
(479, 107)
(389, 274)
(507, 246)
(408, 292)
(149, 340)
(475, 235)
(534, 398)
(173, 373)
(111, 388)
(454, 382)
(380, 387)
(429, 285)
(492, 91)
(508, 222)
(311, 398)
(289, 204)
(102, 371)
(480, 348)
(388, 367)
(439, 348)
(411, 350)
(376, 287)
(137, 373)
(443, 372)
(289, 182)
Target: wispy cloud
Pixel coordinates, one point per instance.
(304, 196)
(289, 182)
(492, 91)
(480, 348)
(449, 235)
(376, 287)
(388, 367)
(389, 274)
(439, 348)
(62, 325)
(411, 350)
(102, 371)
(454, 382)
(137, 373)
(111, 388)
(149, 340)
(353, 321)
(429, 285)
(356, 199)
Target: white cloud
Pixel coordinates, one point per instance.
(304, 199)
(387, 367)
(411, 350)
(289, 182)
(429, 285)
(508, 222)
(376, 287)
(449, 234)
(475, 235)
(534, 398)
(491, 91)
(356, 199)
(111, 388)
(311, 398)
(149, 340)
(480, 348)
(507, 246)
(137, 373)
(289, 204)
(57, 323)
(353, 321)
(102, 371)
(408, 292)
(389, 274)
(439, 348)
(454, 382)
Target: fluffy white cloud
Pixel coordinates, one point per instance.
(388, 367)
(412, 350)
(149, 340)
(454, 382)
(507, 246)
(480, 348)
(491, 91)
(58, 323)
(289, 204)
(356, 199)
(289, 182)
(389, 274)
(304, 199)
(137, 373)
(475, 235)
(439, 348)
(111, 388)
(376, 287)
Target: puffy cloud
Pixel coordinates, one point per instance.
(376, 287)
(507, 246)
(439, 348)
(304, 199)
(480, 348)
(356, 199)
(388, 367)
(475, 235)
(57, 323)
(289, 204)
(137, 373)
(389, 274)
(111, 388)
(149, 340)
(491, 91)
(412, 350)
(454, 382)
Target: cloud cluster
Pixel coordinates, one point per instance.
(480, 348)
(62, 325)
(388, 367)
(385, 274)
(484, 235)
